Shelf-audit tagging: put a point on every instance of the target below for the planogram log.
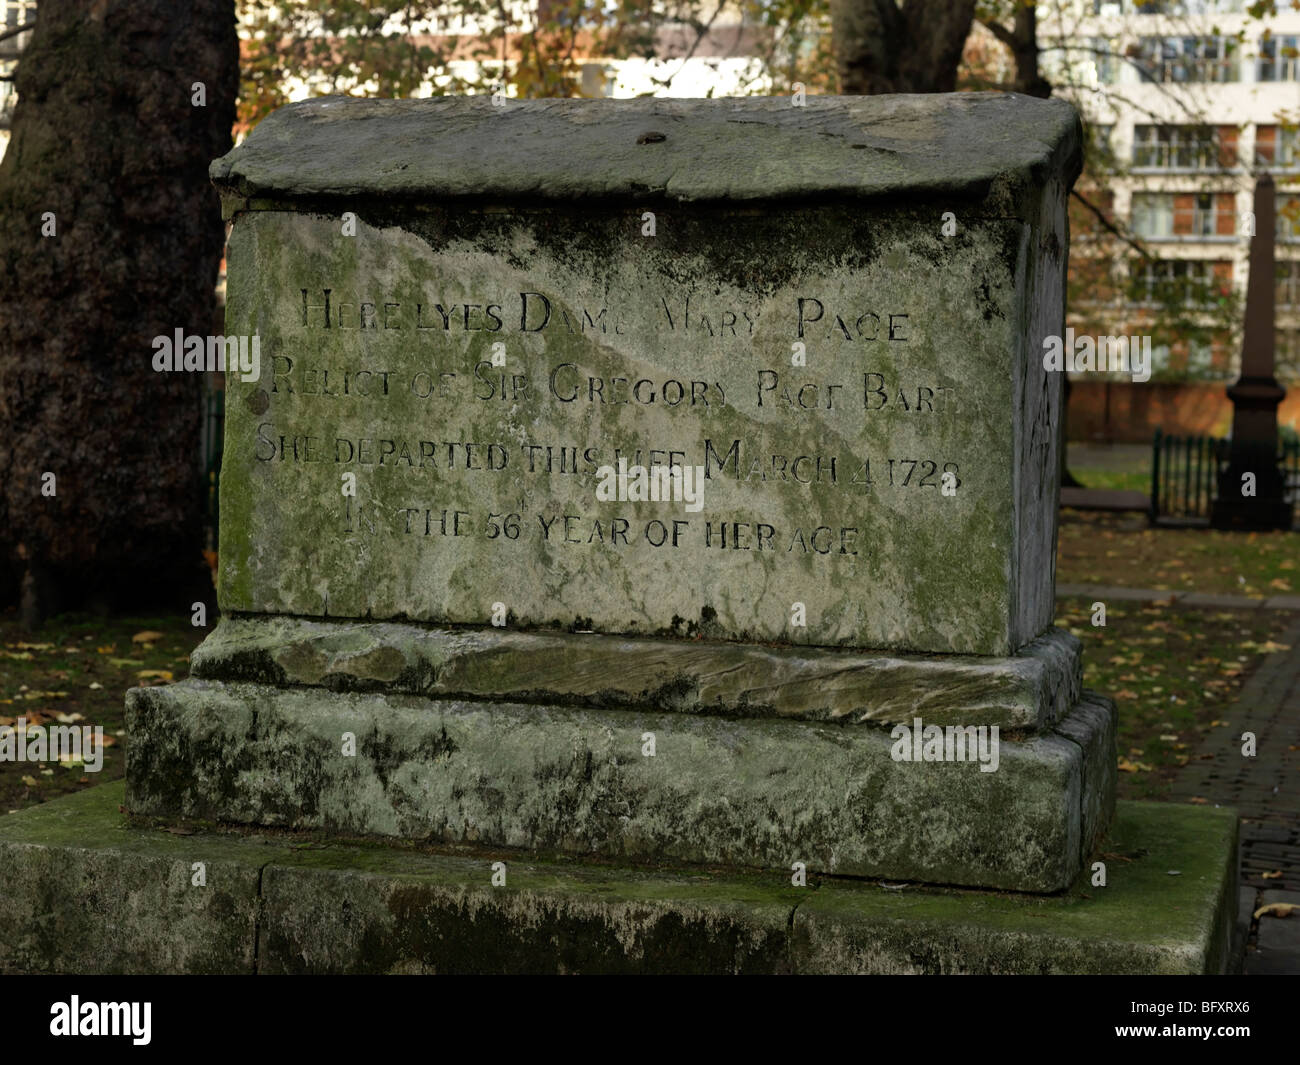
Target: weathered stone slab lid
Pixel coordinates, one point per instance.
(979, 146)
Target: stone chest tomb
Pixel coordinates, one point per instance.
(457, 638)
(496, 323)
(436, 628)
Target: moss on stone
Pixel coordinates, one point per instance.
(348, 908)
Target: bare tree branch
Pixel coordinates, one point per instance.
(15, 32)
(1108, 224)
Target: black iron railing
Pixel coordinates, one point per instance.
(1185, 475)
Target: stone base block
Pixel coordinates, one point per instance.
(1029, 690)
(81, 891)
(627, 785)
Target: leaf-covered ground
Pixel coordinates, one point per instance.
(75, 671)
(1122, 550)
(1173, 673)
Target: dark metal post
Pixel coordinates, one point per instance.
(1155, 479)
(1256, 395)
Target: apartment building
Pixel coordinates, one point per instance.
(1192, 98)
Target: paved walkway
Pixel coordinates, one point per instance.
(1207, 600)
(1105, 499)
(1264, 789)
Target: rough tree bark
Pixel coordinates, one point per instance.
(1022, 42)
(109, 148)
(883, 46)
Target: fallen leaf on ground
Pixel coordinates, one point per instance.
(162, 674)
(1276, 874)
(148, 636)
(1275, 909)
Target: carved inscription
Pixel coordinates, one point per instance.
(621, 437)
(445, 380)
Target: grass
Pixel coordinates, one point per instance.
(1122, 550)
(1124, 468)
(1121, 480)
(1173, 673)
(75, 671)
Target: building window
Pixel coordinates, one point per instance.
(18, 12)
(1277, 59)
(1166, 215)
(1174, 147)
(1153, 215)
(1090, 61)
(1186, 59)
(1191, 283)
(1288, 218)
(1288, 284)
(1288, 148)
(1276, 147)
(1105, 59)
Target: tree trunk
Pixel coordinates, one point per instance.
(1022, 42)
(110, 150)
(883, 47)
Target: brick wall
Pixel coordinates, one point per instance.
(1124, 412)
